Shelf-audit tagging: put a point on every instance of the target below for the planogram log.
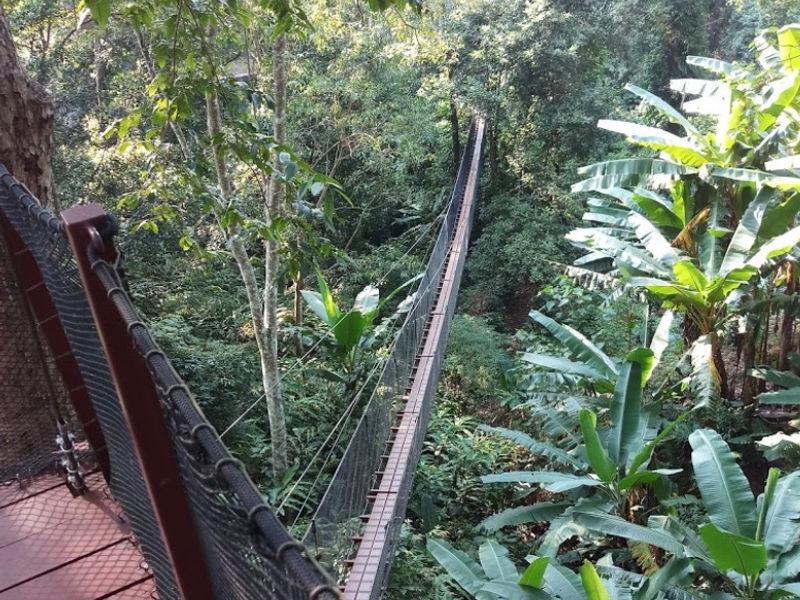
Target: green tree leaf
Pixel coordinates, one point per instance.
(579, 345)
(557, 363)
(725, 490)
(626, 407)
(592, 584)
(534, 574)
(101, 11)
(562, 582)
(495, 561)
(541, 512)
(789, 46)
(730, 551)
(536, 448)
(645, 477)
(598, 457)
(782, 521)
(614, 525)
(551, 481)
(463, 569)
(747, 231)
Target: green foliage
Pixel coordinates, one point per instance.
(353, 331)
(603, 469)
(695, 218)
(740, 535)
(477, 361)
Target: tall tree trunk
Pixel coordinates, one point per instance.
(761, 384)
(787, 323)
(749, 342)
(453, 118)
(248, 275)
(100, 70)
(297, 310)
(719, 364)
(26, 122)
(720, 15)
(273, 210)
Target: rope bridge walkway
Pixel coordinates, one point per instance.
(112, 482)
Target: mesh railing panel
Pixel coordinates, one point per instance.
(42, 233)
(30, 394)
(338, 517)
(248, 552)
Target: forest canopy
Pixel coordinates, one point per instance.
(617, 415)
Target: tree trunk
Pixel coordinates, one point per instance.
(273, 210)
(749, 342)
(787, 323)
(453, 118)
(26, 122)
(718, 23)
(248, 275)
(100, 72)
(719, 364)
(297, 311)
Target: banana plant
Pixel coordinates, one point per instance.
(788, 380)
(496, 576)
(752, 545)
(352, 332)
(602, 466)
(718, 204)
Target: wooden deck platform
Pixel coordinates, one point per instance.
(54, 546)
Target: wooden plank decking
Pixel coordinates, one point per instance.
(55, 546)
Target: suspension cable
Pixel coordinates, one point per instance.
(348, 411)
(329, 333)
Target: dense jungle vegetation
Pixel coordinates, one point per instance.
(617, 416)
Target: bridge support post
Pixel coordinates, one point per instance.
(141, 405)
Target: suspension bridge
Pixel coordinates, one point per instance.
(113, 484)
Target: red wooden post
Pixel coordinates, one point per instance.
(140, 403)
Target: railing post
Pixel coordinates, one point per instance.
(141, 405)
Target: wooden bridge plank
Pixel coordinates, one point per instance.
(145, 590)
(100, 575)
(52, 547)
(13, 491)
(53, 507)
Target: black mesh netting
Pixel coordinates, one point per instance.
(338, 519)
(42, 233)
(249, 553)
(32, 397)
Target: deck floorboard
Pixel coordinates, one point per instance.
(54, 545)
